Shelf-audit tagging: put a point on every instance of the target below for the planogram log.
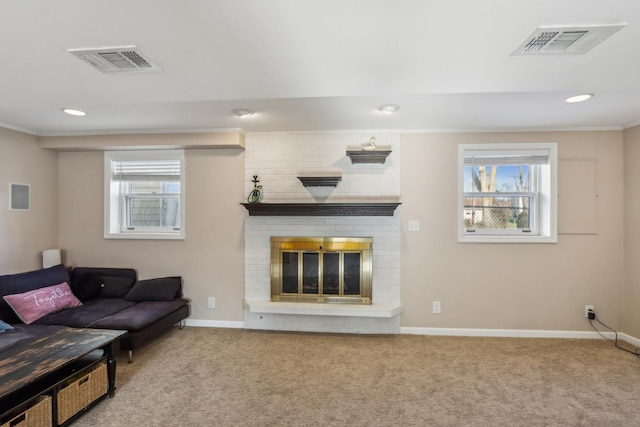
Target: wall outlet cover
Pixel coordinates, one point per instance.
(436, 307)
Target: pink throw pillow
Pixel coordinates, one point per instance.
(31, 306)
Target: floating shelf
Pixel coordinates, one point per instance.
(320, 181)
(321, 209)
(368, 156)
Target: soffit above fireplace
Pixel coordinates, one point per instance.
(322, 209)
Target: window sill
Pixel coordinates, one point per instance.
(507, 239)
(144, 236)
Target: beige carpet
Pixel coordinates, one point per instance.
(231, 377)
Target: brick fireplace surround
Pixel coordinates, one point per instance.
(278, 159)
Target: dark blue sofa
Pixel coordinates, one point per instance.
(112, 298)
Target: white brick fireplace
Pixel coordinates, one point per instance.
(278, 159)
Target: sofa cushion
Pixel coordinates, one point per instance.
(114, 286)
(32, 305)
(78, 275)
(160, 289)
(140, 315)
(86, 286)
(90, 311)
(23, 282)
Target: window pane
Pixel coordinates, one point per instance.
(171, 187)
(497, 212)
(160, 211)
(503, 178)
(152, 187)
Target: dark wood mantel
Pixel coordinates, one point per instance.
(322, 209)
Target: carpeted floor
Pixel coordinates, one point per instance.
(233, 377)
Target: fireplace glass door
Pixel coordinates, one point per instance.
(327, 270)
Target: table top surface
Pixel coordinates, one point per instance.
(42, 350)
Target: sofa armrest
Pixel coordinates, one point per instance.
(28, 281)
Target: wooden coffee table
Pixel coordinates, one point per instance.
(49, 358)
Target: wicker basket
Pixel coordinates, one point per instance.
(81, 391)
(39, 415)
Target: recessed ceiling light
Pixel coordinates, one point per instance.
(579, 98)
(388, 108)
(243, 112)
(74, 112)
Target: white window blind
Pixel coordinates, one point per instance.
(148, 170)
(506, 157)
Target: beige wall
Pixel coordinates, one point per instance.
(631, 296)
(501, 286)
(507, 286)
(210, 259)
(24, 234)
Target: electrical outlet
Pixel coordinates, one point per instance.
(586, 310)
(436, 307)
(414, 225)
(211, 302)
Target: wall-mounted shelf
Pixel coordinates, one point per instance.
(321, 209)
(368, 156)
(320, 181)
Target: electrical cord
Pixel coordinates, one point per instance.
(635, 352)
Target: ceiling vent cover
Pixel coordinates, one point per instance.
(116, 59)
(550, 40)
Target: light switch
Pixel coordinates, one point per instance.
(414, 225)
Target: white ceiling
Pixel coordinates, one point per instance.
(314, 65)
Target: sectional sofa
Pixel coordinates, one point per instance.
(100, 298)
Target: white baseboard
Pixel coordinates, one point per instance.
(628, 338)
(456, 332)
(510, 333)
(215, 323)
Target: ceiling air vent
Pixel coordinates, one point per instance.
(549, 40)
(116, 59)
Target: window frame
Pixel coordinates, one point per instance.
(544, 214)
(114, 199)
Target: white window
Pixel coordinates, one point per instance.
(144, 194)
(507, 192)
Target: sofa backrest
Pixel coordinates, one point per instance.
(91, 282)
(28, 281)
(129, 273)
